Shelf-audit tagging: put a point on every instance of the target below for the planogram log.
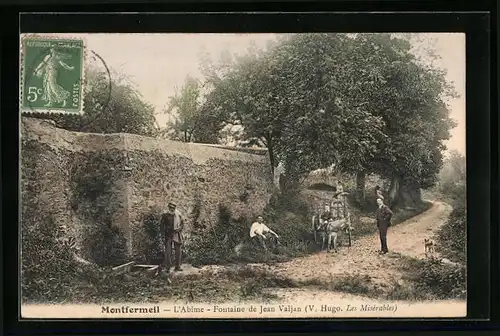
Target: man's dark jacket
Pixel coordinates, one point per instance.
(167, 224)
(384, 215)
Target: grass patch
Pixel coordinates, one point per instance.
(355, 284)
(258, 275)
(429, 279)
(232, 284)
(422, 280)
(257, 283)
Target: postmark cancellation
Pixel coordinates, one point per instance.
(52, 74)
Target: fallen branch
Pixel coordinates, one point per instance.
(124, 267)
(82, 261)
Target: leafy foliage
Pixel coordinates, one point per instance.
(363, 102)
(40, 248)
(452, 178)
(188, 121)
(151, 222)
(287, 216)
(453, 234)
(215, 245)
(430, 279)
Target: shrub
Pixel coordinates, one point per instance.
(107, 245)
(48, 268)
(452, 187)
(432, 279)
(444, 281)
(215, 245)
(286, 201)
(286, 214)
(452, 236)
(153, 237)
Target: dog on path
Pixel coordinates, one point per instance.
(430, 246)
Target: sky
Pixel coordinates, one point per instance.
(159, 63)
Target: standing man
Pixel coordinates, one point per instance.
(383, 216)
(171, 226)
(261, 231)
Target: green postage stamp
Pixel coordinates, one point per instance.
(52, 75)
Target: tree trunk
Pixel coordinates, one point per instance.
(360, 186)
(393, 191)
(410, 195)
(418, 194)
(270, 151)
(271, 158)
(282, 182)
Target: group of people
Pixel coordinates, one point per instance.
(337, 209)
(172, 225)
(383, 214)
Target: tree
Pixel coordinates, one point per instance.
(452, 177)
(184, 110)
(452, 185)
(243, 97)
(110, 106)
(362, 102)
(411, 101)
(284, 99)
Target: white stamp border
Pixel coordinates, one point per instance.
(59, 111)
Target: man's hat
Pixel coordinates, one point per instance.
(171, 205)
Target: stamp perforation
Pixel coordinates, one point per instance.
(22, 74)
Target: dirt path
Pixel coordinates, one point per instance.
(363, 260)
(406, 238)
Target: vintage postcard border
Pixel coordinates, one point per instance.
(82, 107)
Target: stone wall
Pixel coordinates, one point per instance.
(101, 188)
(198, 178)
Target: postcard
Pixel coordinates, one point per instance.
(311, 175)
